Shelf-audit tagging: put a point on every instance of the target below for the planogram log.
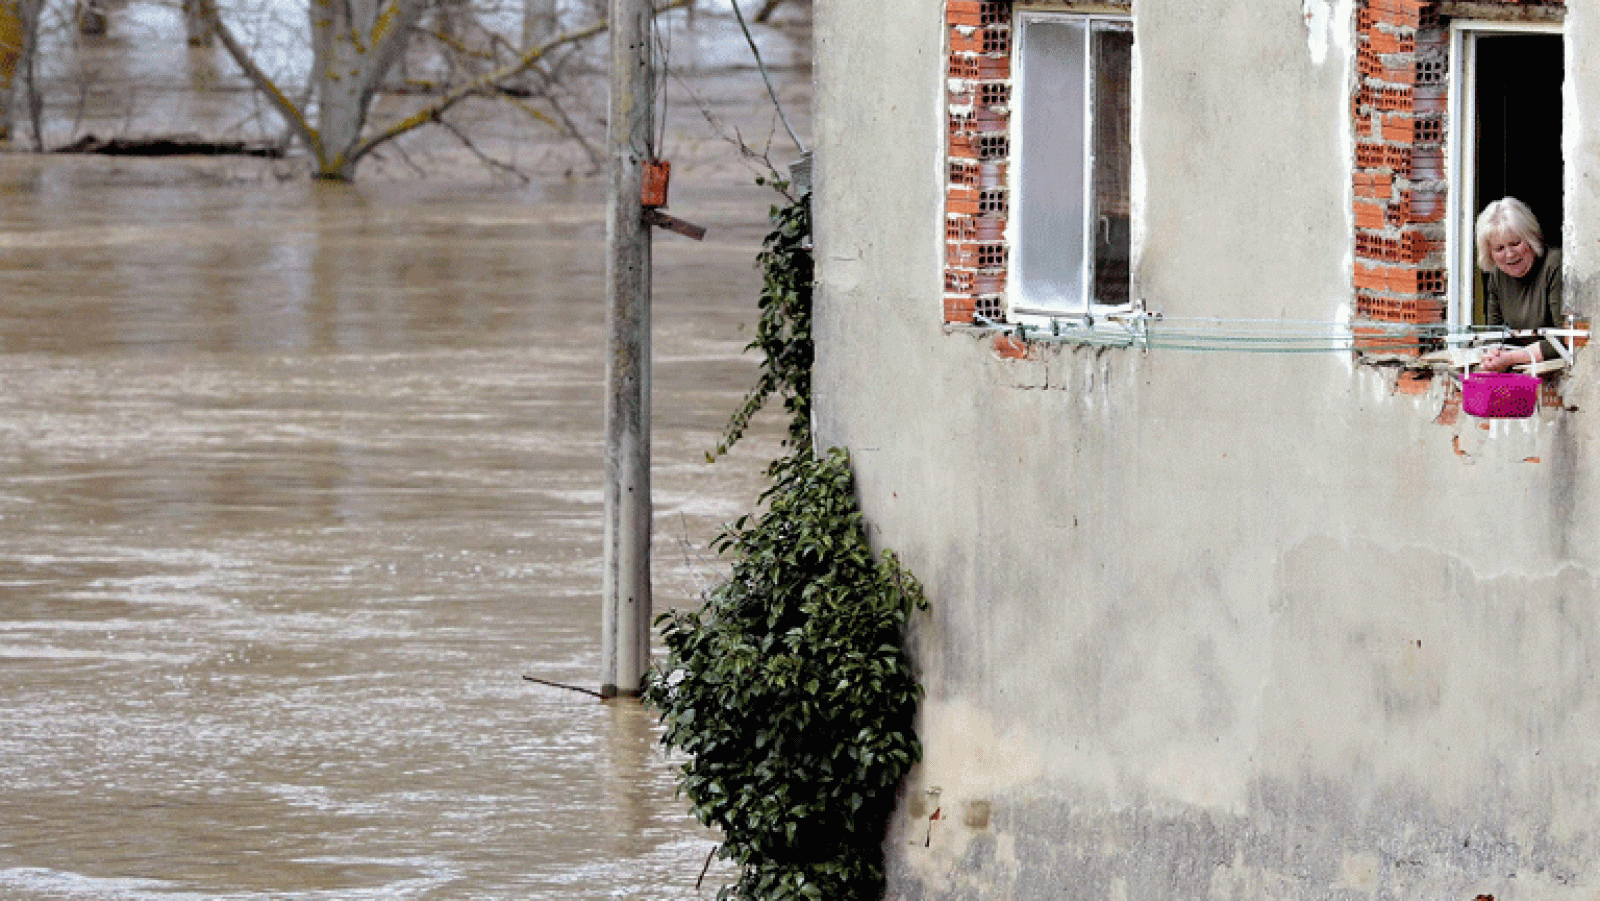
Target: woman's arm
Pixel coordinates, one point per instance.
(1554, 299)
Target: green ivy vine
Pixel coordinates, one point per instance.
(790, 690)
(783, 333)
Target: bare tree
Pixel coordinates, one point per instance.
(355, 45)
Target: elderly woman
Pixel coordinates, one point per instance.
(1522, 282)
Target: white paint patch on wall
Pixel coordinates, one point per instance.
(1328, 24)
(1136, 174)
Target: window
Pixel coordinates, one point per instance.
(1069, 229)
(1506, 140)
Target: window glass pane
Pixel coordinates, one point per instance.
(1049, 196)
(1113, 150)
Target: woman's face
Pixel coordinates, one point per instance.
(1511, 254)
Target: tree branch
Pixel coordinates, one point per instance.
(390, 33)
(771, 92)
(432, 111)
(291, 114)
(596, 161)
(484, 158)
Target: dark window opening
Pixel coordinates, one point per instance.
(1517, 141)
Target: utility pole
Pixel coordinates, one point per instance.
(625, 616)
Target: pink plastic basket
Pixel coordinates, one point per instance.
(1500, 395)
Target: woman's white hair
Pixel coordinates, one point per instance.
(1507, 216)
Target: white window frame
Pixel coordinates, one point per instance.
(1020, 307)
(1462, 163)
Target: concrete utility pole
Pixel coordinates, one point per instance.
(625, 617)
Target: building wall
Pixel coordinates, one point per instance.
(1209, 624)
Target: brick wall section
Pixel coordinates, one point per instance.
(1398, 108)
(978, 149)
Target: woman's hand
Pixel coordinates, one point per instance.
(1501, 359)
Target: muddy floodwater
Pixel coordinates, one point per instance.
(297, 481)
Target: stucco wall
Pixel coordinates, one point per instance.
(1209, 624)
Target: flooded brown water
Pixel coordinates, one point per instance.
(296, 482)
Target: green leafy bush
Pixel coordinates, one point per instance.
(790, 690)
(792, 694)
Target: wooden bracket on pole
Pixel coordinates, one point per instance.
(674, 224)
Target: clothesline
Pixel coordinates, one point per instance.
(1152, 331)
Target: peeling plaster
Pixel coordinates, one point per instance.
(1327, 24)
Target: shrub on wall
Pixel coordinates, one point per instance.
(790, 689)
(792, 694)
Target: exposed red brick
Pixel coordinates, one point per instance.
(1399, 128)
(1370, 246)
(1401, 74)
(1378, 185)
(1009, 348)
(979, 66)
(960, 228)
(1450, 411)
(1413, 381)
(1414, 246)
(976, 256)
(1403, 280)
(965, 39)
(1372, 278)
(1402, 100)
(1383, 341)
(1404, 13)
(1368, 215)
(971, 228)
(1417, 205)
(1398, 159)
(963, 146)
(1409, 310)
(1384, 42)
(994, 93)
(977, 12)
(958, 308)
(989, 282)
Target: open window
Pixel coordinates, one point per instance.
(1506, 110)
(1069, 228)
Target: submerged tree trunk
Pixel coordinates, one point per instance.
(13, 33)
(91, 17)
(19, 30)
(194, 24)
(354, 43)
